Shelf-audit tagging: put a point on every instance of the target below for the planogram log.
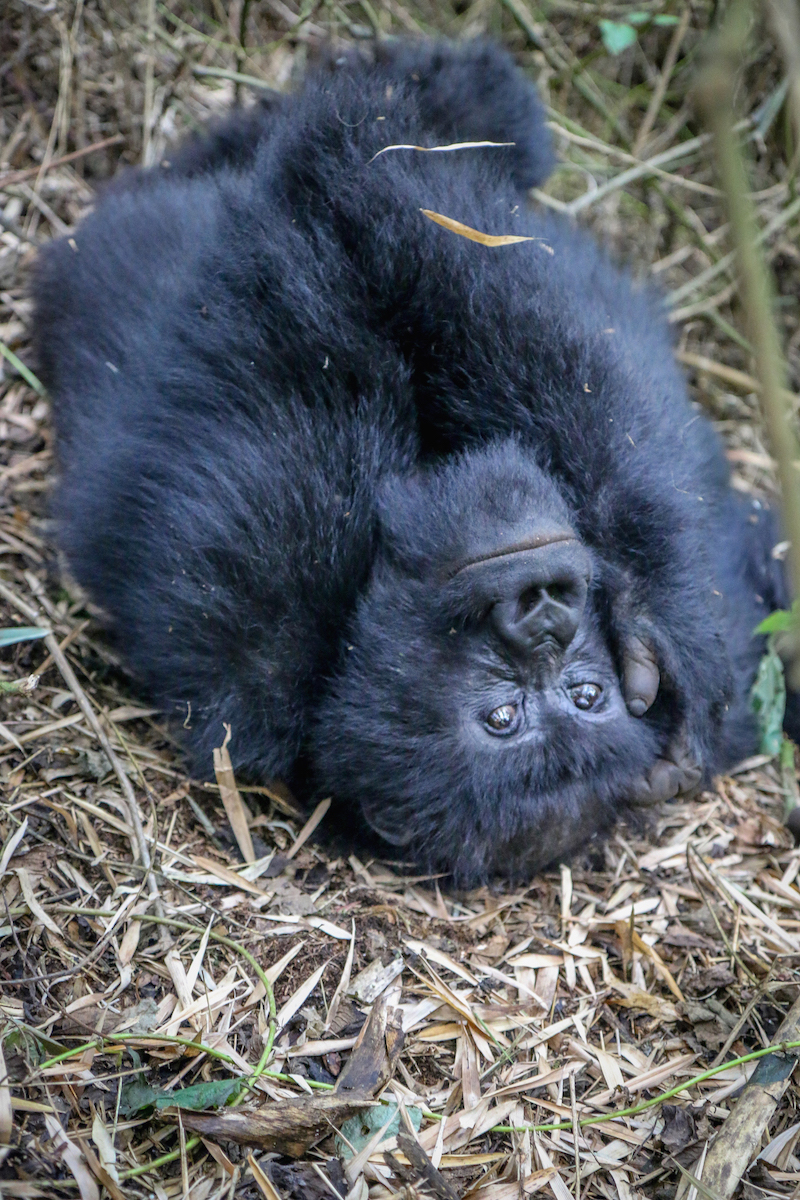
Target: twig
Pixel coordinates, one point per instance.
(657, 97)
(19, 687)
(13, 227)
(682, 150)
(241, 52)
(149, 83)
(31, 172)
(568, 63)
(575, 1136)
(589, 143)
(737, 379)
(235, 76)
(762, 235)
(786, 23)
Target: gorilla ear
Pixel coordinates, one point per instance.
(395, 833)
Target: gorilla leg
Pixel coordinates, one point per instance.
(474, 92)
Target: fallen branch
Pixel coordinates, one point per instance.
(739, 1139)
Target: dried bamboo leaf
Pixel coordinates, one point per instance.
(231, 798)
(439, 149)
(475, 235)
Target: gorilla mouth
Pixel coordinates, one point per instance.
(535, 541)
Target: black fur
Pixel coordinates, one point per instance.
(291, 411)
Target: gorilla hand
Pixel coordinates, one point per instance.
(677, 774)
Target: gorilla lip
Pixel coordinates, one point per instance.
(536, 541)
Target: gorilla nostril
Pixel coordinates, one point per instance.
(563, 594)
(536, 619)
(530, 599)
(560, 593)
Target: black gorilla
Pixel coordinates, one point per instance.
(431, 524)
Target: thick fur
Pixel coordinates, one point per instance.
(287, 402)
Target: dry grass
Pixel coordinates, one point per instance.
(608, 986)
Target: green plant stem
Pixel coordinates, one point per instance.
(13, 687)
(259, 1069)
(552, 1126)
(236, 76)
(262, 976)
(121, 1039)
(635, 1109)
(162, 1161)
(524, 18)
(715, 95)
(600, 1119)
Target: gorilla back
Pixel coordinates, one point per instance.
(432, 525)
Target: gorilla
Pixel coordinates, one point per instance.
(431, 523)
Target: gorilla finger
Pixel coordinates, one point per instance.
(662, 782)
(640, 676)
(680, 753)
(692, 774)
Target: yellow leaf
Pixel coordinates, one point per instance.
(475, 235)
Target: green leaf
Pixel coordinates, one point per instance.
(359, 1129)
(768, 701)
(665, 19)
(138, 1095)
(616, 36)
(780, 621)
(200, 1096)
(32, 1043)
(18, 365)
(638, 18)
(21, 633)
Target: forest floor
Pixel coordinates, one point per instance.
(493, 1025)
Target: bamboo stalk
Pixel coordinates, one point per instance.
(715, 96)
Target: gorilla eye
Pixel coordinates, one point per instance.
(585, 695)
(503, 719)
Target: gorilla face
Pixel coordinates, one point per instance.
(479, 719)
(524, 605)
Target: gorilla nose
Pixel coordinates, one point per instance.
(539, 617)
(543, 597)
